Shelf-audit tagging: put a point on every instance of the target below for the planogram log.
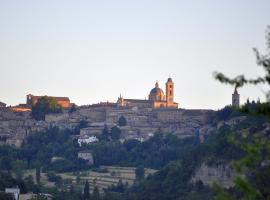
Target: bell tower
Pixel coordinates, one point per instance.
(236, 99)
(169, 92)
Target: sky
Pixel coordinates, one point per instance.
(91, 51)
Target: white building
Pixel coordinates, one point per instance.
(87, 139)
(14, 191)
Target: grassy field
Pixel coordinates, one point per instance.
(110, 175)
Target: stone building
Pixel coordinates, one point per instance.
(2, 105)
(31, 100)
(156, 99)
(236, 99)
(86, 155)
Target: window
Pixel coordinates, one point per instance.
(170, 93)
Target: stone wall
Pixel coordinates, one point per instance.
(221, 174)
(141, 122)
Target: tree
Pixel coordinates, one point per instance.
(78, 178)
(105, 135)
(115, 133)
(5, 163)
(72, 109)
(253, 181)
(5, 196)
(241, 80)
(96, 195)
(139, 172)
(45, 105)
(122, 121)
(18, 168)
(86, 191)
(38, 175)
(29, 181)
(39, 197)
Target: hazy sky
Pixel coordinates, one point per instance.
(92, 51)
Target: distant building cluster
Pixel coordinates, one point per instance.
(156, 98)
(2, 105)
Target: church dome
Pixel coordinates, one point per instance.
(156, 91)
(156, 94)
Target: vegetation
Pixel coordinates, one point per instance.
(246, 144)
(45, 105)
(5, 196)
(254, 168)
(139, 172)
(109, 135)
(86, 191)
(122, 121)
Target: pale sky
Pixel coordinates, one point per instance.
(91, 51)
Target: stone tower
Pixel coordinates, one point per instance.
(236, 99)
(169, 92)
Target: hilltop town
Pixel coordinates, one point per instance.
(144, 117)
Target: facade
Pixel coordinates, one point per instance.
(14, 191)
(236, 99)
(87, 140)
(156, 98)
(31, 100)
(86, 155)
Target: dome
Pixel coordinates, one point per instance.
(156, 91)
(156, 94)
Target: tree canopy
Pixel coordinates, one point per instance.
(45, 105)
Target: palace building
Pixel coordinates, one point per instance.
(31, 100)
(156, 99)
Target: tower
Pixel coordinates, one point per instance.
(236, 99)
(120, 101)
(29, 99)
(169, 92)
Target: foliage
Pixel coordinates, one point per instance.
(173, 181)
(122, 121)
(7, 181)
(253, 182)
(53, 177)
(38, 175)
(154, 153)
(119, 188)
(86, 191)
(139, 172)
(241, 80)
(105, 135)
(72, 109)
(45, 105)
(227, 113)
(115, 133)
(41, 147)
(82, 124)
(5, 196)
(96, 195)
(256, 109)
